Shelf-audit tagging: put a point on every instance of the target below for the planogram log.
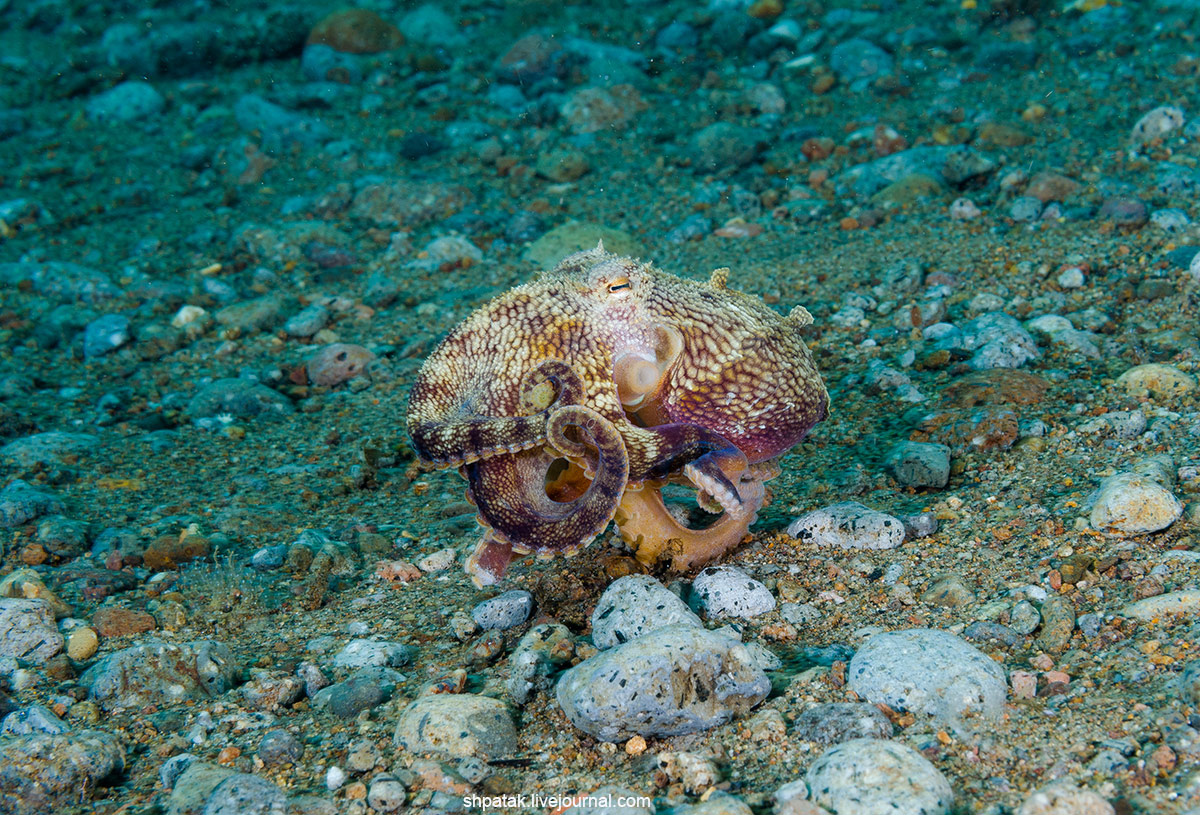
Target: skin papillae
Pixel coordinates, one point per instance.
(570, 401)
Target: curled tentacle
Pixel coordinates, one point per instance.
(456, 437)
(655, 534)
(510, 493)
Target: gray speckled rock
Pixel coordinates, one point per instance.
(245, 794)
(848, 525)
(673, 680)
(506, 610)
(42, 771)
(634, 605)
(918, 464)
(240, 398)
(1064, 798)
(835, 722)
(458, 725)
(48, 448)
(20, 502)
(727, 591)
(27, 630)
(924, 670)
(161, 673)
(873, 776)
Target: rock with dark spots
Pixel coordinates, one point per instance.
(634, 605)
(43, 772)
(239, 398)
(835, 722)
(27, 630)
(674, 680)
(20, 502)
(457, 725)
(727, 591)
(869, 776)
(161, 673)
(1058, 623)
(503, 611)
(848, 525)
(919, 464)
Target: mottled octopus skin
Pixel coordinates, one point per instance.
(714, 382)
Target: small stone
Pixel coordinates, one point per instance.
(457, 725)
(386, 793)
(592, 109)
(1048, 186)
(868, 776)
(271, 692)
(835, 722)
(49, 772)
(105, 334)
(1025, 209)
(727, 591)
(928, 671)
(356, 31)
(32, 719)
(848, 525)
(504, 611)
(126, 102)
(82, 644)
(1134, 504)
(634, 605)
(115, 621)
(673, 680)
(576, 236)
(1064, 798)
(27, 630)
(1158, 380)
(918, 464)
(53, 447)
(1175, 603)
(280, 748)
(338, 363)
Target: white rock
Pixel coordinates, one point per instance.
(1134, 503)
(635, 605)
(849, 525)
(872, 776)
(727, 591)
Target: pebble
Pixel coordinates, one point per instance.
(836, 722)
(1172, 603)
(540, 653)
(504, 611)
(727, 591)
(576, 236)
(126, 102)
(1134, 504)
(161, 673)
(927, 671)
(1125, 211)
(372, 653)
(82, 644)
(48, 448)
(674, 680)
(386, 793)
(28, 631)
(239, 398)
(246, 794)
(634, 605)
(271, 692)
(1064, 798)
(848, 525)
(919, 464)
(21, 503)
(1157, 380)
(105, 334)
(280, 748)
(872, 776)
(45, 772)
(457, 725)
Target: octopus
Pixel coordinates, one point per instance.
(571, 401)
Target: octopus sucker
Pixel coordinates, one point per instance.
(571, 400)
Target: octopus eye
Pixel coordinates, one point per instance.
(619, 285)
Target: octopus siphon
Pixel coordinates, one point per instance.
(571, 401)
